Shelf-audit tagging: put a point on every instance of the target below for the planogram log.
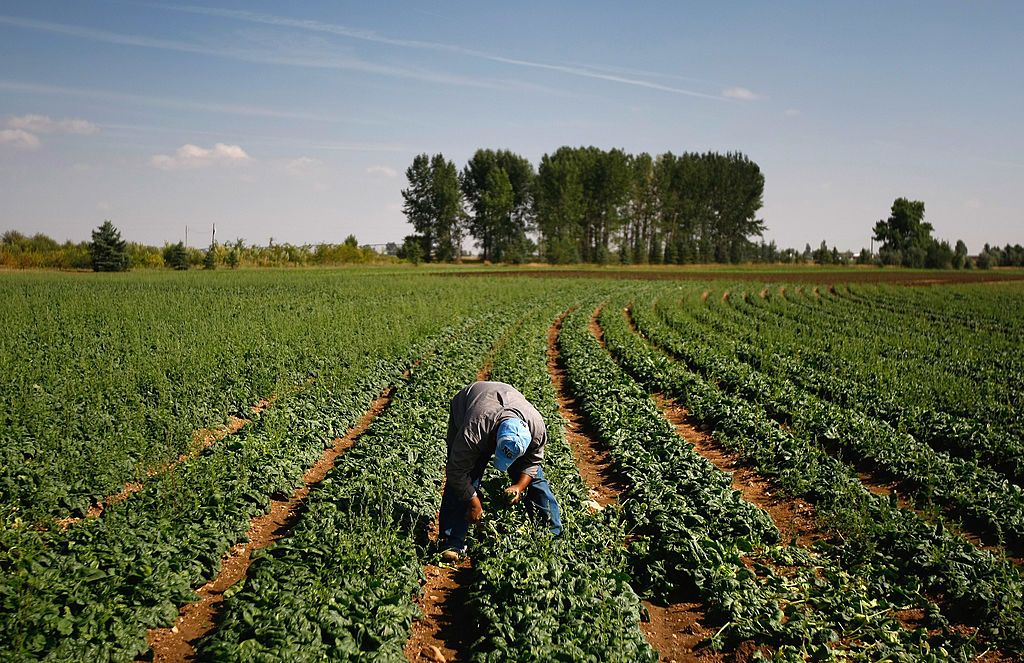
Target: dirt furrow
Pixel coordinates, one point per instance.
(794, 517)
(199, 618)
(440, 634)
(595, 465)
(201, 439)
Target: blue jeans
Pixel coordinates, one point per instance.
(453, 525)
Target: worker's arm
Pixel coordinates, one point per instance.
(475, 510)
(516, 490)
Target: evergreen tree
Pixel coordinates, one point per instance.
(107, 250)
(176, 256)
(210, 259)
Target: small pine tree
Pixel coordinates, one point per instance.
(176, 256)
(107, 250)
(233, 259)
(210, 259)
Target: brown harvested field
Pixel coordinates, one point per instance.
(778, 275)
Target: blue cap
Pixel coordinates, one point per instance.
(513, 439)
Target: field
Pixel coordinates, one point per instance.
(247, 466)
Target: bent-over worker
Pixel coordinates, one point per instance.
(492, 419)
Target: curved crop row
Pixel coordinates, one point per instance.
(693, 533)
(893, 546)
(341, 586)
(981, 497)
(776, 348)
(92, 591)
(540, 599)
(975, 376)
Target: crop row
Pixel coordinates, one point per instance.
(774, 346)
(906, 558)
(106, 377)
(946, 306)
(539, 598)
(92, 591)
(694, 535)
(341, 586)
(981, 497)
(975, 375)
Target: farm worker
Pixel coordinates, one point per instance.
(492, 419)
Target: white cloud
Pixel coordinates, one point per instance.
(386, 171)
(44, 124)
(19, 138)
(791, 112)
(192, 156)
(302, 165)
(740, 93)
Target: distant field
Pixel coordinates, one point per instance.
(805, 462)
(813, 274)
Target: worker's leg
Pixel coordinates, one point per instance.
(452, 523)
(539, 498)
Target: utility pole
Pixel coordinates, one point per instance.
(186, 236)
(213, 238)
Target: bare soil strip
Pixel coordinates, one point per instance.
(441, 633)
(197, 619)
(810, 275)
(592, 459)
(201, 439)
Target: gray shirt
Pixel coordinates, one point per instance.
(473, 422)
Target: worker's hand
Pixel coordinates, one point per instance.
(475, 511)
(513, 494)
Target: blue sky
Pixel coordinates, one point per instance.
(296, 120)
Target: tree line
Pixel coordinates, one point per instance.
(586, 204)
(108, 252)
(907, 240)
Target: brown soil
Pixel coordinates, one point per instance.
(811, 275)
(441, 633)
(675, 630)
(201, 439)
(197, 619)
(794, 517)
(595, 466)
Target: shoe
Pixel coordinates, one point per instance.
(451, 555)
